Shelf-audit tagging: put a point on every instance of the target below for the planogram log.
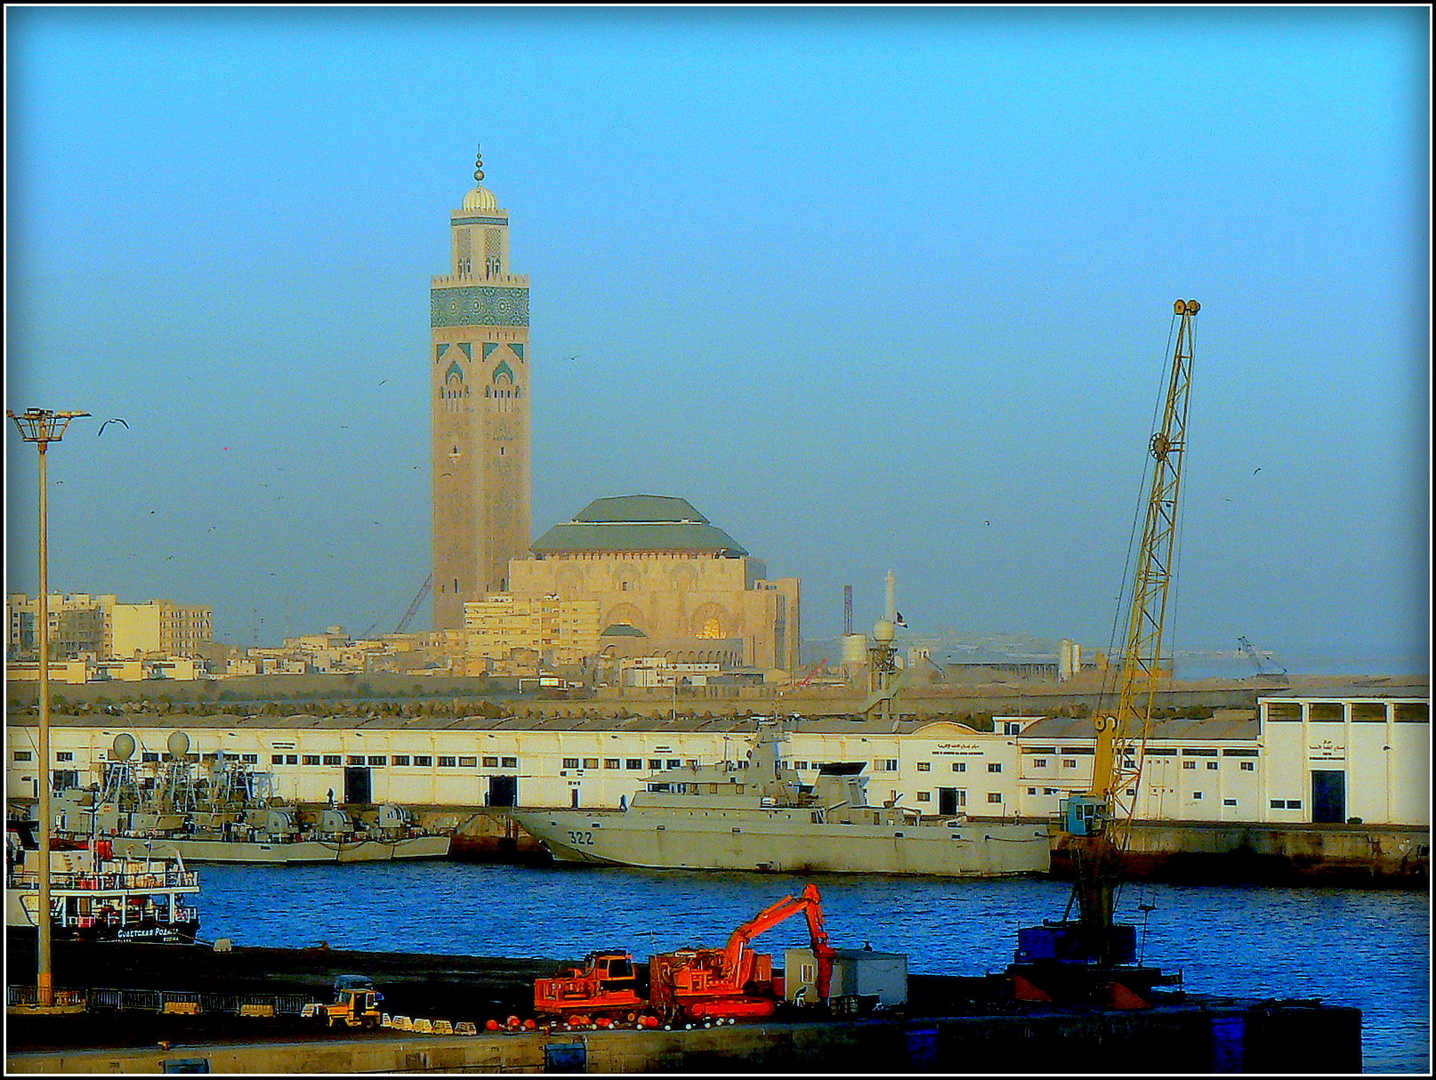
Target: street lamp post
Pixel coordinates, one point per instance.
(42, 427)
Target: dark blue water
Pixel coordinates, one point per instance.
(1365, 949)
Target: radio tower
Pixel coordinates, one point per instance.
(847, 609)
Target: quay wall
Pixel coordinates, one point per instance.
(1389, 856)
(1196, 1037)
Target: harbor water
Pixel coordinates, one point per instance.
(1367, 949)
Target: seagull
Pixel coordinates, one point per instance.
(112, 420)
(383, 381)
(1256, 470)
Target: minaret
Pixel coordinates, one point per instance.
(479, 389)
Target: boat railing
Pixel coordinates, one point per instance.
(105, 882)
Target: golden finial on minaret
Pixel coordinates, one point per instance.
(479, 164)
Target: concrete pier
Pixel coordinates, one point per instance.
(1211, 1036)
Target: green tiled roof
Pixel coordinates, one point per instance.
(638, 523)
(622, 630)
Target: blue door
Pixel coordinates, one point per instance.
(1328, 796)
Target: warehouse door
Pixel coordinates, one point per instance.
(1328, 796)
(503, 791)
(357, 785)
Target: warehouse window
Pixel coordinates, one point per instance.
(610, 763)
(1069, 763)
(994, 766)
(490, 762)
(924, 796)
(570, 763)
(1039, 763)
(249, 759)
(1283, 710)
(886, 765)
(1328, 712)
(401, 759)
(509, 762)
(675, 763)
(924, 766)
(1248, 766)
(1412, 712)
(633, 763)
(423, 760)
(1032, 791)
(590, 763)
(468, 762)
(994, 796)
(23, 755)
(959, 766)
(655, 764)
(332, 759)
(1196, 794)
(65, 755)
(149, 755)
(356, 759)
(276, 759)
(1229, 802)
(1369, 711)
(447, 761)
(1213, 764)
(1189, 764)
(311, 759)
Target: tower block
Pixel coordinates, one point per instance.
(479, 386)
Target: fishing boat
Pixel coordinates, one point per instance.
(97, 894)
(756, 815)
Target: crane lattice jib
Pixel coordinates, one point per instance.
(1121, 739)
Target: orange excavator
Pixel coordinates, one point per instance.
(735, 981)
(691, 984)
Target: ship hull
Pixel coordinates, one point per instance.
(299, 851)
(786, 842)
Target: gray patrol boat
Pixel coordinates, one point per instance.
(722, 817)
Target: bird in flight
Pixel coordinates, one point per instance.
(1256, 470)
(112, 420)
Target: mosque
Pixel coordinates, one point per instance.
(649, 573)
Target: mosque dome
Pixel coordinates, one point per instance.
(481, 198)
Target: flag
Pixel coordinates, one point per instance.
(899, 620)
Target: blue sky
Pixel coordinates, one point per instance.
(855, 281)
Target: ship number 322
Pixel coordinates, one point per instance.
(584, 838)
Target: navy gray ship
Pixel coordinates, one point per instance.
(757, 815)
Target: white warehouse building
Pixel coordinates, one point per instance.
(1296, 760)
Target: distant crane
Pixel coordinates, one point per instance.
(1251, 654)
(809, 676)
(408, 615)
(414, 607)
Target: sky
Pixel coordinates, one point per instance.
(873, 288)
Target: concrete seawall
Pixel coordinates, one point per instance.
(1201, 1036)
(1196, 852)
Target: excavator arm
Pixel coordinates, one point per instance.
(737, 957)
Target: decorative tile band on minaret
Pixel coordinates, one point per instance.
(480, 410)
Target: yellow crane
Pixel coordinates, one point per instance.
(1091, 956)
